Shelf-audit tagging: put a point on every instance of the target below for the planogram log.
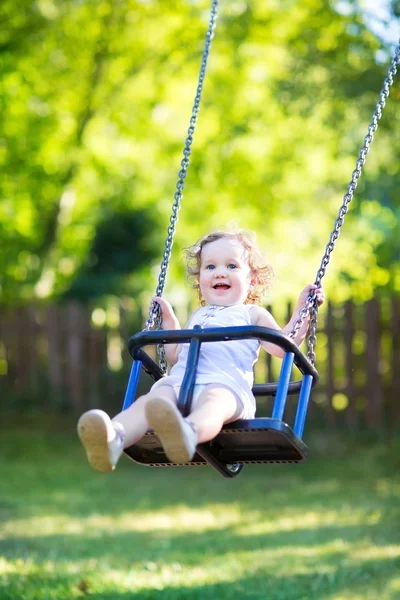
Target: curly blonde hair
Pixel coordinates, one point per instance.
(262, 274)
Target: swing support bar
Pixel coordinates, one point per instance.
(196, 336)
(222, 334)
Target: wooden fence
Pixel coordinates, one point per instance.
(75, 357)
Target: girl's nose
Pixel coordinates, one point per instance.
(221, 272)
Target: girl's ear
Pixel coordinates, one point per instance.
(253, 280)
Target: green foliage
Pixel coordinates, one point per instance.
(96, 100)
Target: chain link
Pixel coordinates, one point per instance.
(311, 307)
(154, 319)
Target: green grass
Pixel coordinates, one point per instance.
(328, 529)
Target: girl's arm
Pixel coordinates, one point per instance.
(261, 316)
(169, 321)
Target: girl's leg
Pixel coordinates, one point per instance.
(104, 440)
(177, 436)
(216, 405)
(134, 419)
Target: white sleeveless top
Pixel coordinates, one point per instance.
(229, 363)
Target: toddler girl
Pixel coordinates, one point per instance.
(231, 278)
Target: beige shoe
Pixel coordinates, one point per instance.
(177, 437)
(102, 439)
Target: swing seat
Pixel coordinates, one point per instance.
(251, 441)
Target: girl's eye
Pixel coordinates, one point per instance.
(210, 267)
(232, 266)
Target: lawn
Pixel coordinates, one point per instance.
(328, 529)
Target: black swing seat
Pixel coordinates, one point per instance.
(253, 441)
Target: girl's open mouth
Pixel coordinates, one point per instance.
(221, 286)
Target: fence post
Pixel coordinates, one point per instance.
(373, 392)
(32, 354)
(75, 356)
(54, 352)
(330, 369)
(348, 335)
(395, 361)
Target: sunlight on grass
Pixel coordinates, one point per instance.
(386, 487)
(375, 552)
(214, 565)
(395, 585)
(317, 533)
(184, 519)
(179, 519)
(311, 520)
(228, 568)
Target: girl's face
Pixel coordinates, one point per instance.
(225, 276)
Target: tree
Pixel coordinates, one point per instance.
(96, 122)
(125, 243)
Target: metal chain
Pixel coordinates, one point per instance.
(154, 319)
(311, 307)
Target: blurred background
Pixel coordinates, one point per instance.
(91, 139)
(95, 99)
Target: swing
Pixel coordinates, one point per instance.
(258, 440)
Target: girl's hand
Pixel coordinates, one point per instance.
(169, 319)
(319, 294)
(166, 308)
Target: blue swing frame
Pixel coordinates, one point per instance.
(258, 440)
